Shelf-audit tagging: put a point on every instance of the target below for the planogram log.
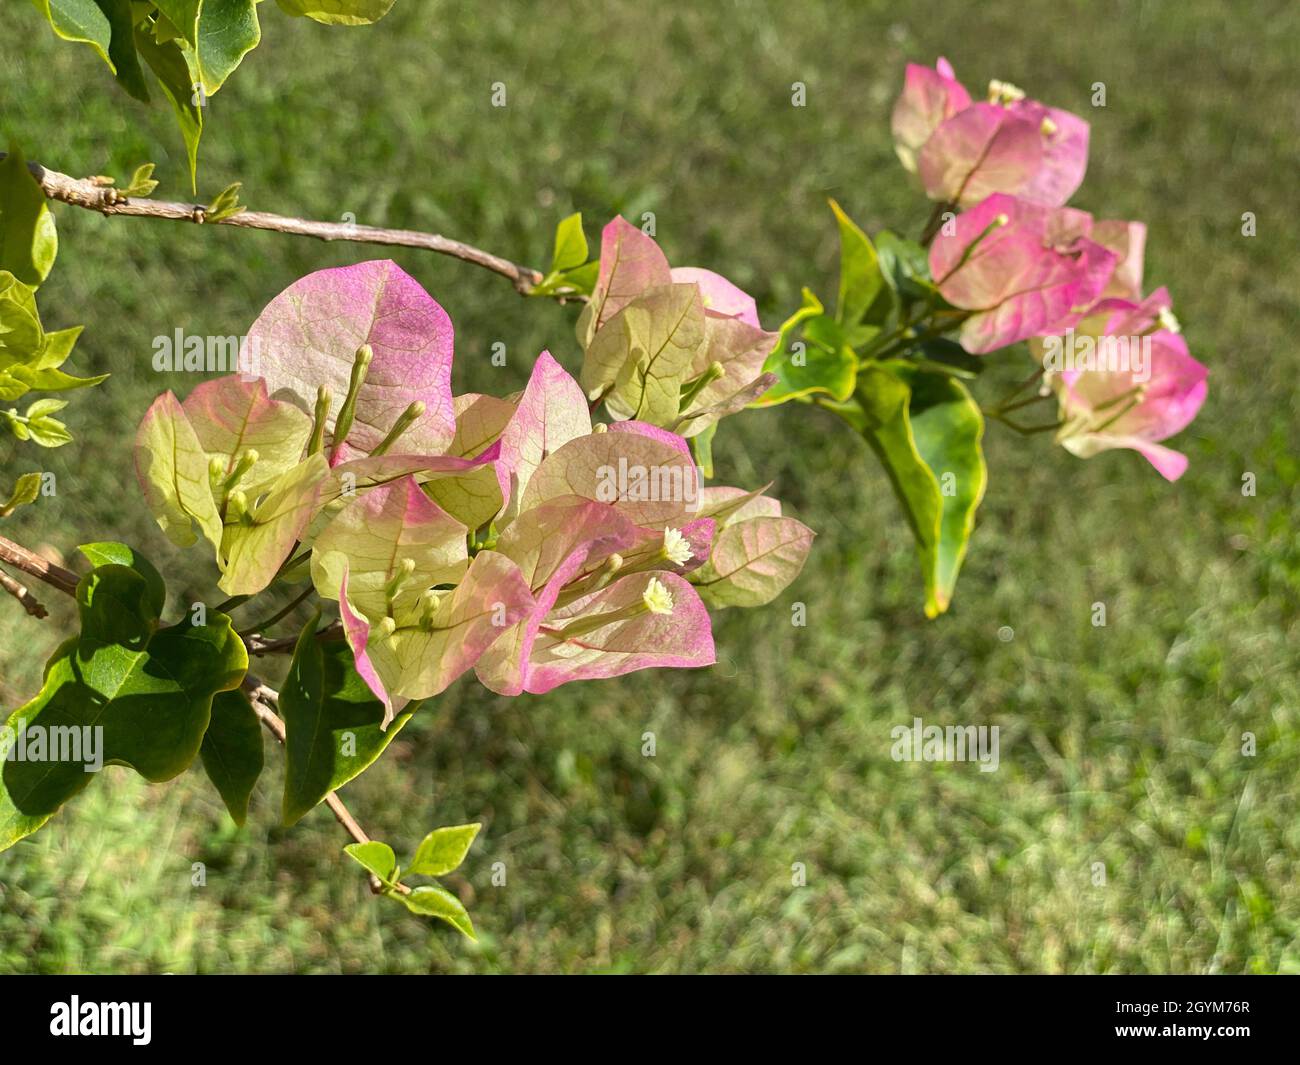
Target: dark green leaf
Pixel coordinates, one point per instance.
(112, 553)
(332, 722)
(121, 48)
(167, 61)
(926, 431)
(232, 751)
(864, 294)
(905, 265)
(148, 689)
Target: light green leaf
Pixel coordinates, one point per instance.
(21, 335)
(332, 722)
(142, 182)
(56, 348)
(376, 857)
(232, 751)
(25, 491)
(809, 367)
(150, 691)
(442, 850)
(47, 431)
(429, 900)
(570, 245)
(226, 203)
(338, 12)
(52, 380)
(28, 241)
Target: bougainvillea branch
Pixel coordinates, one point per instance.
(96, 194)
(264, 700)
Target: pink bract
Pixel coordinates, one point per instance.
(310, 333)
(1024, 270)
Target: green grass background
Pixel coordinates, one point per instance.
(1120, 745)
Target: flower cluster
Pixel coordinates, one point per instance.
(1023, 266)
(511, 536)
(678, 347)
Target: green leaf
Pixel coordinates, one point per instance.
(112, 553)
(142, 182)
(811, 368)
(821, 362)
(21, 336)
(51, 380)
(226, 204)
(122, 54)
(28, 241)
(169, 64)
(702, 449)
(429, 900)
(80, 21)
(332, 723)
(47, 431)
(442, 850)
(941, 355)
(218, 33)
(581, 279)
(148, 689)
(25, 491)
(338, 12)
(232, 751)
(377, 857)
(864, 294)
(56, 348)
(906, 266)
(570, 245)
(926, 430)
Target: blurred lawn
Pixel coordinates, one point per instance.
(1120, 745)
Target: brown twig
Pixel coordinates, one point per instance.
(258, 645)
(31, 563)
(84, 192)
(263, 700)
(29, 602)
